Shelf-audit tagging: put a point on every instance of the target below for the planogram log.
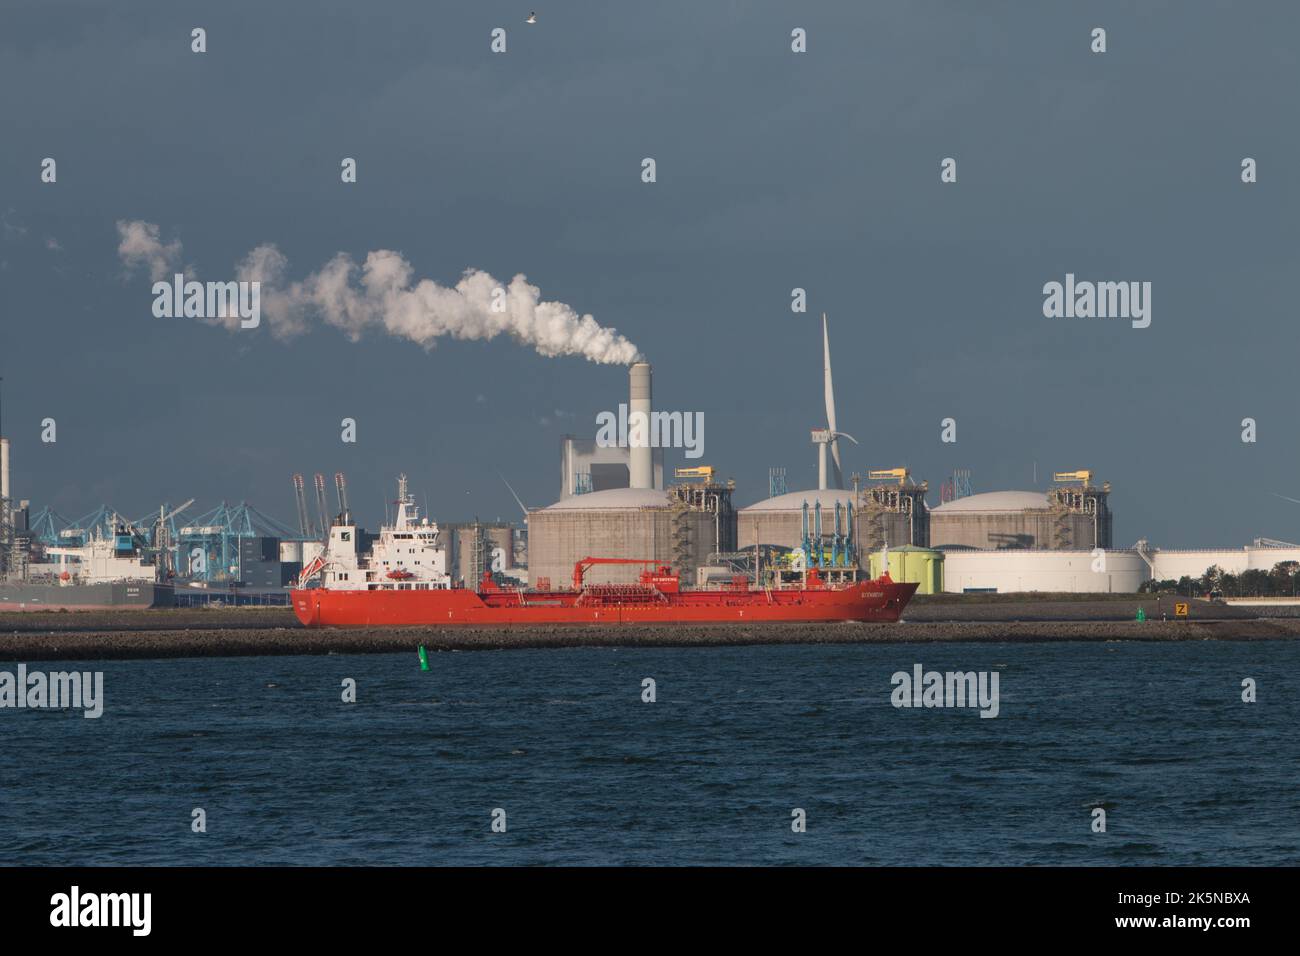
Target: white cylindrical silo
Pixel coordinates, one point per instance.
(641, 461)
(4, 469)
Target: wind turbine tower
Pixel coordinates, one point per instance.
(830, 435)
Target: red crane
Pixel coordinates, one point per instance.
(580, 567)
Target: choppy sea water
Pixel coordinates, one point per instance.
(1156, 734)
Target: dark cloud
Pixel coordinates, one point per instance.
(775, 171)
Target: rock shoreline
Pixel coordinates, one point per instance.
(237, 632)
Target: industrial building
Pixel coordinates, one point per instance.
(260, 565)
(647, 523)
(15, 539)
(586, 466)
(1063, 570)
(894, 512)
(908, 564)
(784, 521)
(1064, 518)
(681, 526)
(831, 521)
(871, 517)
(1170, 564)
(473, 546)
(1082, 571)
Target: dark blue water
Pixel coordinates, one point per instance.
(587, 773)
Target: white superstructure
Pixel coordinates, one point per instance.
(103, 559)
(407, 556)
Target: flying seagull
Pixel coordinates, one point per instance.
(532, 18)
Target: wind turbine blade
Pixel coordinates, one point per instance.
(837, 473)
(513, 495)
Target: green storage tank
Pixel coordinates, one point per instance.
(909, 563)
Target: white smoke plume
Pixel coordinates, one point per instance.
(140, 245)
(381, 295)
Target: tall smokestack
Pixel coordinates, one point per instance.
(641, 460)
(6, 533)
(4, 467)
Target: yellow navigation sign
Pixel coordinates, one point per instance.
(1180, 609)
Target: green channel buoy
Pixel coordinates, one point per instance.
(1142, 616)
(424, 659)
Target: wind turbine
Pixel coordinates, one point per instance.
(821, 437)
(829, 435)
(515, 496)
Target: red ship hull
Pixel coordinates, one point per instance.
(880, 600)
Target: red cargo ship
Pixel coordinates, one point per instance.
(657, 599)
(403, 581)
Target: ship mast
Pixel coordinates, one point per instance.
(404, 501)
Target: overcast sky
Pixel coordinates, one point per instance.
(775, 170)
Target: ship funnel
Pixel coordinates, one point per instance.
(640, 462)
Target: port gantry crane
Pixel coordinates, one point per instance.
(164, 536)
(341, 486)
(322, 507)
(304, 518)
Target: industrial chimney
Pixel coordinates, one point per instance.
(6, 533)
(4, 474)
(641, 461)
(4, 500)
